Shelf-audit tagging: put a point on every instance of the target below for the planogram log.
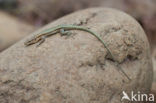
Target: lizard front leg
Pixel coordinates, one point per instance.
(63, 32)
(42, 39)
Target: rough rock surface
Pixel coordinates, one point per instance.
(153, 90)
(12, 30)
(154, 63)
(78, 69)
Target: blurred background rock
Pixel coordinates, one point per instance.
(12, 30)
(36, 13)
(8, 4)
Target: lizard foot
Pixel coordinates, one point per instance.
(63, 32)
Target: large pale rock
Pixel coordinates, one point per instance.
(78, 69)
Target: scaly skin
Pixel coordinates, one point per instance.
(40, 38)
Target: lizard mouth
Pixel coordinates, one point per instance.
(27, 43)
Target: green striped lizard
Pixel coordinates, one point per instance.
(64, 30)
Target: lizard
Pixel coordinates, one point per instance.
(64, 30)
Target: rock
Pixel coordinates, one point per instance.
(12, 30)
(78, 69)
(8, 4)
(154, 63)
(153, 90)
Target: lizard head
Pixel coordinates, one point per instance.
(31, 41)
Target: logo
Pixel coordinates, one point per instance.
(137, 97)
(125, 96)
